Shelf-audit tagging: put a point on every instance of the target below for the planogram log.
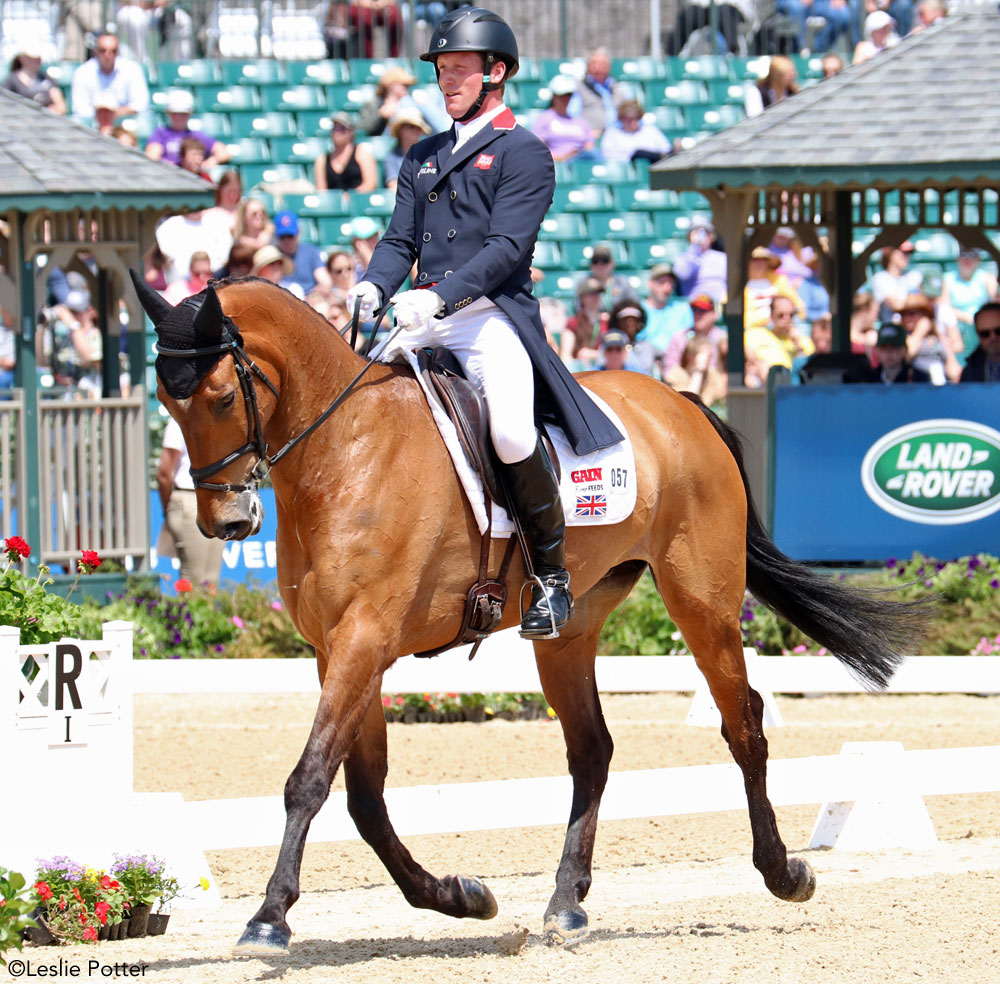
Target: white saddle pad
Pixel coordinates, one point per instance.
(597, 489)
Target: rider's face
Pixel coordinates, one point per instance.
(460, 78)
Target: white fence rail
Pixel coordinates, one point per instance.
(506, 664)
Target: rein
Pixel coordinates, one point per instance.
(246, 369)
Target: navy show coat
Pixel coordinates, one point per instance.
(470, 221)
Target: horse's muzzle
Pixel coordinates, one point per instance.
(238, 518)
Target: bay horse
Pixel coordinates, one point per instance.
(377, 546)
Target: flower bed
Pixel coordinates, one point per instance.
(447, 708)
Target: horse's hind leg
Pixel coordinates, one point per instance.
(707, 613)
(364, 771)
(566, 670)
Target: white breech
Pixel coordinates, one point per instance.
(486, 344)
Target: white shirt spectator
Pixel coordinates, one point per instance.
(125, 82)
(181, 235)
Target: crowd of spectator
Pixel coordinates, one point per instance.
(666, 322)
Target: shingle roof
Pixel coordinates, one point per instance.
(924, 111)
(49, 161)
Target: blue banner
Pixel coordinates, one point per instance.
(868, 472)
(242, 560)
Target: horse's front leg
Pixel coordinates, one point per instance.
(365, 771)
(356, 651)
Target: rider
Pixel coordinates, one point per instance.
(469, 203)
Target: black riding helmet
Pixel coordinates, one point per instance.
(476, 29)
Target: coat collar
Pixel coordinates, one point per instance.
(501, 124)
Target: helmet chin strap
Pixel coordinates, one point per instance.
(487, 87)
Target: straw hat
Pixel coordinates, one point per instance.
(411, 116)
(763, 253)
(394, 73)
(267, 255)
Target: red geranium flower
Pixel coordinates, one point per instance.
(183, 584)
(89, 934)
(16, 549)
(106, 881)
(44, 892)
(76, 894)
(83, 917)
(88, 562)
(62, 903)
(101, 909)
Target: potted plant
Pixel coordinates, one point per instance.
(27, 604)
(141, 877)
(16, 905)
(67, 900)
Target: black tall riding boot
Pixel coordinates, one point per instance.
(534, 488)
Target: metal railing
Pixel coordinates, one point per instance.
(92, 485)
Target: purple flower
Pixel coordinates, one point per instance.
(995, 584)
(891, 563)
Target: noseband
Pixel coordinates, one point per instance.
(246, 369)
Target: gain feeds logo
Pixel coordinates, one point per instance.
(938, 472)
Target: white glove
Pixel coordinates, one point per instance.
(416, 309)
(369, 296)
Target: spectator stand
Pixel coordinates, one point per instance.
(824, 162)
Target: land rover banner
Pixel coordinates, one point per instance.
(872, 472)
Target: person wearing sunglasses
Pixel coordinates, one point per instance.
(108, 73)
(348, 166)
(984, 362)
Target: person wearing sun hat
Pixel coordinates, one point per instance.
(895, 280)
(764, 283)
(271, 264)
(568, 137)
(928, 348)
(407, 128)
(164, 142)
(394, 94)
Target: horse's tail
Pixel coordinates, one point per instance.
(866, 631)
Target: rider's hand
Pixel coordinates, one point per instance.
(369, 296)
(416, 309)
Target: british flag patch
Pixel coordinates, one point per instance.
(591, 505)
(484, 162)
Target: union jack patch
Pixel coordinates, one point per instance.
(591, 505)
(484, 161)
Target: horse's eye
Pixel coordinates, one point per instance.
(225, 402)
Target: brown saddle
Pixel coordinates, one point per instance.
(467, 410)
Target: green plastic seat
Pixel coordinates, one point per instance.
(266, 125)
(644, 68)
(369, 70)
(202, 71)
(249, 150)
(639, 198)
(374, 203)
(260, 71)
(325, 203)
(330, 71)
(682, 92)
(560, 226)
(228, 99)
(583, 198)
(293, 99)
(669, 118)
(629, 225)
(547, 255)
(298, 150)
(706, 67)
(606, 172)
(217, 124)
(669, 225)
(713, 117)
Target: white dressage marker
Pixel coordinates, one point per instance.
(704, 714)
(68, 732)
(888, 811)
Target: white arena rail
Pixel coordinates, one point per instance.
(506, 664)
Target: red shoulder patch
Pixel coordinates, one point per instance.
(504, 120)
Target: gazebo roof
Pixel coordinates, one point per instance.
(51, 162)
(924, 112)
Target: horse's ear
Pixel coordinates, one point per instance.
(152, 302)
(209, 321)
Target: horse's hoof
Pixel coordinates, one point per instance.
(262, 938)
(802, 874)
(478, 899)
(566, 928)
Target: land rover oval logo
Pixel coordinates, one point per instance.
(938, 472)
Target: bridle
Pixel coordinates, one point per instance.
(255, 444)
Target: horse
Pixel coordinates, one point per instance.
(377, 545)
